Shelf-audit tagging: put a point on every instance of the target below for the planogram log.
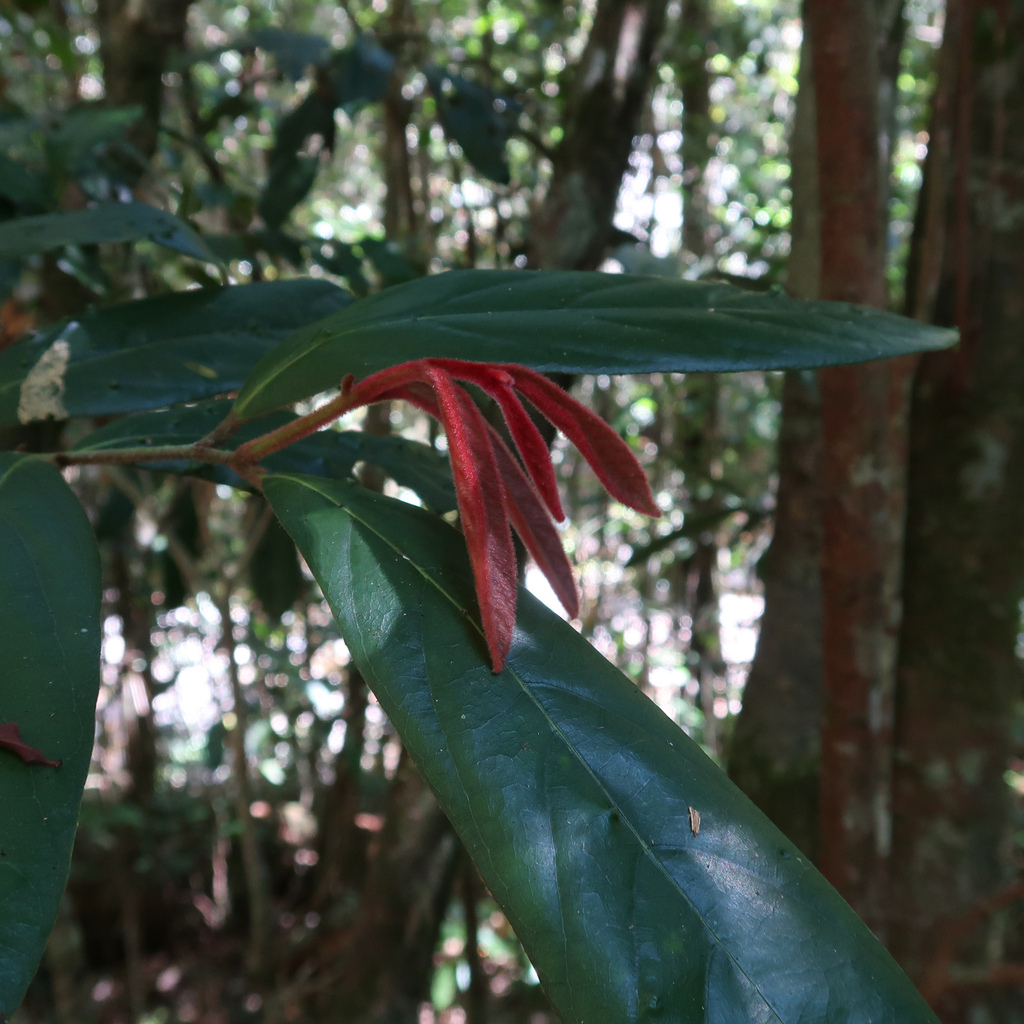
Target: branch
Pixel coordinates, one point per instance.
(938, 978)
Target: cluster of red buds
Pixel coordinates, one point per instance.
(495, 490)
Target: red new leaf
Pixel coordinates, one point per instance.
(480, 495)
(494, 492)
(615, 465)
(10, 739)
(533, 524)
(498, 383)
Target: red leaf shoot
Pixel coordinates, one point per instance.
(479, 491)
(610, 457)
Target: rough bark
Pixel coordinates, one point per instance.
(385, 957)
(959, 679)
(696, 149)
(136, 40)
(863, 417)
(775, 751)
(573, 226)
(776, 748)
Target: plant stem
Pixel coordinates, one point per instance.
(260, 447)
(151, 453)
(220, 433)
(352, 396)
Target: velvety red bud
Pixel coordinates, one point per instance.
(497, 382)
(609, 456)
(532, 522)
(479, 491)
(492, 489)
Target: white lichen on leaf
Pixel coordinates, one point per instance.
(42, 390)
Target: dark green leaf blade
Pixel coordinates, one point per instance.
(50, 657)
(476, 118)
(290, 180)
(294, 51)
(106, 222)
(360, 73)
(573, 793)
(578, 322)
(156, 352)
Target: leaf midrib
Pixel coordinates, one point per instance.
(525, 688)
(837, 315)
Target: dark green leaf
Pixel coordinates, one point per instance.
(388, 261)
(72, 139)
(329, 453)
(341, 259)
(106, 222)
(49, 679)
(156, 352)
(360, 74)
(294, 51)
(28, 192)
(290, 181)
(10, 271)
(18, 131)
(277, 579)
(313, 116)
(578, 322)
(276, 243)
(476, 118)
(113, 517)
(573, 793)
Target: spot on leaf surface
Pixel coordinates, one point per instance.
(10, 739)
(42, 390)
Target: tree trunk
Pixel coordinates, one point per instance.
(136, 40)
(386, 955)
(697, 150)
(573, 227)
(863, 417)
(959, 678)
(775, 755)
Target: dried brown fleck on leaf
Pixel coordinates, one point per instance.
(10, 739)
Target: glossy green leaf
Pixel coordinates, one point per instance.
(576, 797)
(106, 222)
(578, 322)
(155, 352)
(476, 118)
(329, 453)
(49, 679)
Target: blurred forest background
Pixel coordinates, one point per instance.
(831, 604)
